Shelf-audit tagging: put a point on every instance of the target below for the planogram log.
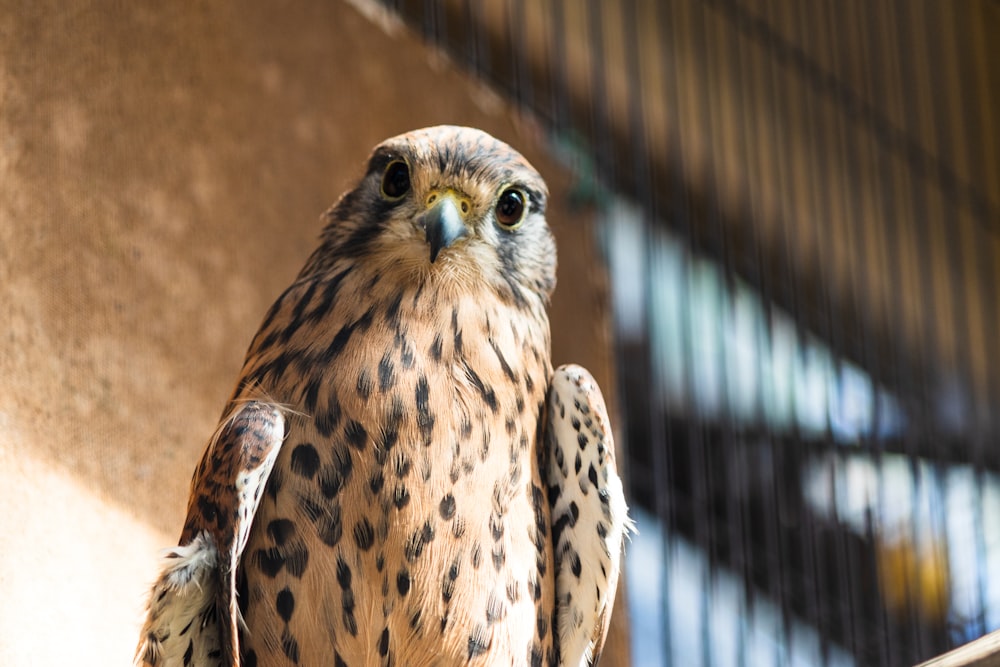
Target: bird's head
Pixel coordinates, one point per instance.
(452, 205)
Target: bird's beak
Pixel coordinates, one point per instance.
(443, 222)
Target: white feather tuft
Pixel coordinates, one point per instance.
(181, 607)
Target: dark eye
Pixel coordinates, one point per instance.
(510, 209)
(396, 180)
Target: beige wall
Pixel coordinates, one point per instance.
(162, 170)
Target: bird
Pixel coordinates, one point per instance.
(400, 477)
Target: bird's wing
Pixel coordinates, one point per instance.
(589, 514)
(193, 616)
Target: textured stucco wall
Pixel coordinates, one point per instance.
(162, 171)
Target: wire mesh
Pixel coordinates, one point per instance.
(800, 206)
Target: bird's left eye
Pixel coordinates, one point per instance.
(396, 180)
(510, 209)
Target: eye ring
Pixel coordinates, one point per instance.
(511, 208)
(395, 180)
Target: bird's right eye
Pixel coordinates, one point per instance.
(396, 180)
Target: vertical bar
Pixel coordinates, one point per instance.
(713, 99)
(477, 44)
(769, 274)
(879, 273)
(432, 20)
(739, 62)
(936, 279)
(981, 97)
(676, 200)
(756, 72)
(782, 96)
(827, 247)
(560, 88)
(520, 77)
(697, 444)
(600, 129)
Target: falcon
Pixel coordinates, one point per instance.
(400, 477)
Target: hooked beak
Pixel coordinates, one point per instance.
(442, 223)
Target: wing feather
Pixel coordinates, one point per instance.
(193, 616)
(589, 514)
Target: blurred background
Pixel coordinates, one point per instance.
(799, 204)
(779, 234)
